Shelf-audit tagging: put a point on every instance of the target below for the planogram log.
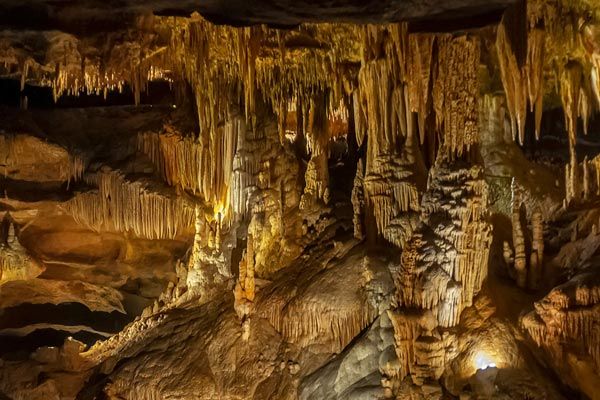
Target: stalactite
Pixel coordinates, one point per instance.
(305, 323)
(584, 110)
(130, 206)
(522, 81)
(16, 150)
(456, 91)
(419, 70)
(570, 87)
(185, 162)
(535, 75)
(515, 87)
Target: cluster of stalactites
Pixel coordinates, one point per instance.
(216, 83)
(409, 82)
(522, 41)
(130, 206)
(309, 323)
(192, 52)
(381, 107)
(576, 101)
(70, 71)
(520, 45)
(14, 148)
(456, 92)
(227, 65)
(203, 166)
(430, 75)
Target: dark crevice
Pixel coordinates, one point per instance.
(19, 348)
(62, 314)
(158, 93)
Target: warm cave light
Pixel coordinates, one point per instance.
(219, 213)
(484, 361)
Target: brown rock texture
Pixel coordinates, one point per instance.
(299, 200)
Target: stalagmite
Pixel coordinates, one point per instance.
(537, 250)
(443, 266)
(15, 262)
(358, 201)
(520, 258)
(208, 265)
(527, 268)
(244, 291)
(589, 184)
(317, 172)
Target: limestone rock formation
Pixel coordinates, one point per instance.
(299, 200)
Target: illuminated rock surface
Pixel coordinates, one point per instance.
(299, 200)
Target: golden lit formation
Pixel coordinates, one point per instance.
(197, 205)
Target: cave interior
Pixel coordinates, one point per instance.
(312, 200)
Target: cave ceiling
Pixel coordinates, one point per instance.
(275, 199)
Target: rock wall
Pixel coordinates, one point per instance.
(319, 211)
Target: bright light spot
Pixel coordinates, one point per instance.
(219, 211)
(484, 361)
